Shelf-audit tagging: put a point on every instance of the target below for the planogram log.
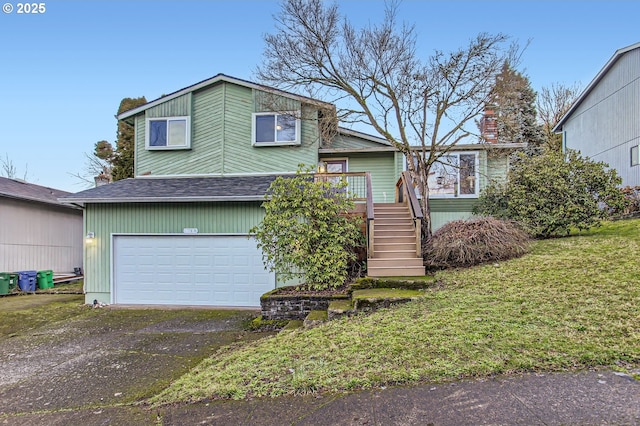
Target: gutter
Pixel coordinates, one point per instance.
(83, 201)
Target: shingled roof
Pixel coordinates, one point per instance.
(21, 190)
(220, 188)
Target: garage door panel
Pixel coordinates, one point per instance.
(189, 270)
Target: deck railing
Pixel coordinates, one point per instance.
(359, 189)
(356, 183)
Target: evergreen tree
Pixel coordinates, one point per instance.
(123, 156)
(515, 104)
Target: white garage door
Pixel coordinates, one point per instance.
(189, 270)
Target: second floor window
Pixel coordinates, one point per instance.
(271, 128)
(168, 133)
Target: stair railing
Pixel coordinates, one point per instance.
(405, 193)
(370, 216)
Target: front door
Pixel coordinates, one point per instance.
(336, 166)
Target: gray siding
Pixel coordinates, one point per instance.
(606, 124)
(36, 236)
(342, 141)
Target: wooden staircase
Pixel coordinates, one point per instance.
(395, 250)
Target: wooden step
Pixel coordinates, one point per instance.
(395, 253)
(389, 205)
(395, 245)
(390, 238)
(393, 262)
(385, 233)
(400, 213)
(408, 226)
(399, 271)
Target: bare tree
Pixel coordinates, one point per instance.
(554, 102)
(375, 76)
(94, 167)
(10, 170)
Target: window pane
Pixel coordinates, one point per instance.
(158, 133)
(265, 128)
(635, 159)
(443, 177)
(467, 174)
(177, 133)
(286, 128)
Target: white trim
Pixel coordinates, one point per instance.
(357, 150)
(206, 175)
(298, 124)
(166, 199)
(635, 161)
(147, 133)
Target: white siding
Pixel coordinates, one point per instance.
(36, 236)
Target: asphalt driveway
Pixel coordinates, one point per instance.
(62, 360)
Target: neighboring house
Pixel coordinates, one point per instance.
(38, 232)
(604, 122)
(178, 232)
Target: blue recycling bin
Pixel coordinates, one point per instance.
(27, 280)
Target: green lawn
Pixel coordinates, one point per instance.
(572, 303)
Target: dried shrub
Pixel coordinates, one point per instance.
(464, 243)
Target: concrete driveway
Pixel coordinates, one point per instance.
(80, 367)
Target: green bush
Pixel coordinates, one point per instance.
(462, 243)
(306, 230)
(554, 192)
(632, 209)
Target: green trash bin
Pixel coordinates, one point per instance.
(13, 280)
(4, 283)
(49, 278)
(41, 279)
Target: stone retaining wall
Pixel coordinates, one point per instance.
(293, 307)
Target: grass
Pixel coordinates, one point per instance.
(571, 303)
(21, 313)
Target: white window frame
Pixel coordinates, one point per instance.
(276, 142)
(635, 156)
(186, 145)
(456, 193)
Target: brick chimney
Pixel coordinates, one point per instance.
(489, 125)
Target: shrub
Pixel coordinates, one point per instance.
(464, 243)
(307, 229)
(632, 209)
(554, 192)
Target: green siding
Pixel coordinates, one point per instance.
(242, 157)
(221, 118)
(451, 204)
(381, 165)
(497, 168)
(267, 102)
(155, 218)
(177, 107)
(438, 219)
